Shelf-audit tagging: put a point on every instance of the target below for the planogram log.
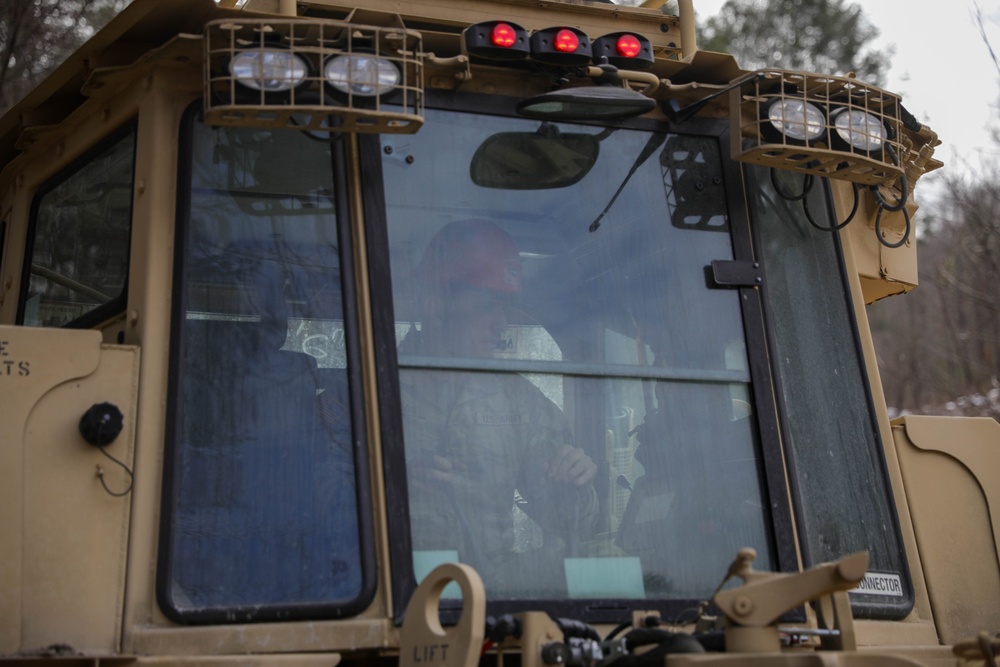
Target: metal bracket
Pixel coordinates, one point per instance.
(735, 273)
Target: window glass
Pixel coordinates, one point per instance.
(574, 396)
(841, 484)
(80, 240)
(263, 508)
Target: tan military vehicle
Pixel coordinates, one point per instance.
(452, 331)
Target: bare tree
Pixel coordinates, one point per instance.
(828, 36)
(939, 346)
(37, 35)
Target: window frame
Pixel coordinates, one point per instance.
(3, 242)
(119, 303)
(277, 612)
(773, 483)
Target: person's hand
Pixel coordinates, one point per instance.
(572, 465)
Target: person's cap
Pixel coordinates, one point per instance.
(472, 252)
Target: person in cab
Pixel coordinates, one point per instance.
(480, 442)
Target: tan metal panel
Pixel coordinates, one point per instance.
(75, 530)
(63, 565)
(883, 271)
(949, 467)
(39, 359)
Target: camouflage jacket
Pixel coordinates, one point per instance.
(496, 431)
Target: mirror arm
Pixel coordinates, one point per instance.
(651, 81)
(678, 115)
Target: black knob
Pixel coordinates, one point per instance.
(101, 424)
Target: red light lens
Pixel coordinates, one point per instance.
(503, 35)
(628, 46)
(567, 41)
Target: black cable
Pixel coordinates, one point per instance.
(100, 476)
(334, 137)
(329, 137)
(573, 628)
(840, 225)
(878, 229)
(903, 186)
(807, 184)
(617, 630)
(900, 205)
(498, 629)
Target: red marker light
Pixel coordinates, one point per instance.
(496, 40)
(624, 50)
(503, 35)
(561, 45)
(628, 46)
(567, 41)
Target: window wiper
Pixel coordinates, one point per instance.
(655, 141)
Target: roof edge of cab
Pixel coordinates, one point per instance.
(142, 26)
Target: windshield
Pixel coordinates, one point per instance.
(575, 396)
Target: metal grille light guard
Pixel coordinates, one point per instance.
(312, 105)
(747, 104)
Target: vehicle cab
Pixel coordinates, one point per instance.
(241, 419)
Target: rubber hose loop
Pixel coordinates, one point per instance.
(878, 229)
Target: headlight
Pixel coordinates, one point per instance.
(362, 74)
(269, 70)
(857, 130)
(795, 121)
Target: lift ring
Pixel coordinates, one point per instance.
(424, 641)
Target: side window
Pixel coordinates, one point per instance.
(261, 512)
(844, 500)
(78, 245)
